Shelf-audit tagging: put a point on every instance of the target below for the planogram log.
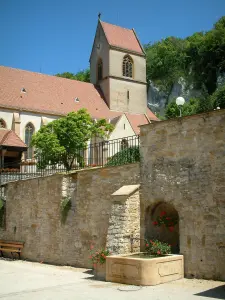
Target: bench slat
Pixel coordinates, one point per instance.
(11, 245)
(9, 250)
(11, 242)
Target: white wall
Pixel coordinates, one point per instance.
(33, 118)
(7, 116)
(119, 131)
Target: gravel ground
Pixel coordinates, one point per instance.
(23, 280)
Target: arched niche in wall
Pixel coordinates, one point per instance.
(167, 232)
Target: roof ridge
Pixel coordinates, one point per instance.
(116, 25)
(17, 69)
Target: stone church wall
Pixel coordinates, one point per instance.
(183, 164)
(33, 213)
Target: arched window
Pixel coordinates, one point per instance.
(2, 123)
(127, 66)
(29, 131)
(100, 69)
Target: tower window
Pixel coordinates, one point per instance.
(127, 66)
(128, 95)
(2, 123)
(100, 69)
(29, 131)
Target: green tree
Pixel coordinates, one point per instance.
(63, 140)
(81, 76)
(166, 62)
(204, 102)
(218, 98)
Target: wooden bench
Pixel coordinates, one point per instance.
(11, 246)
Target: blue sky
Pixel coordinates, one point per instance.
(54, 36)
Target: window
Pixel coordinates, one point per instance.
(127, 66)
(2, 123)
(100, 70)
(29, 131)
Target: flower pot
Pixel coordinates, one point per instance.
(100, 271)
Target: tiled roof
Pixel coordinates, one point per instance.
(121, 37)
(136, 121)
(53, 95)
(50, 94)
(11, 139)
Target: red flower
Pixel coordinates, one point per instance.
(147, 245)
(158, 252)
(155, 223)
(163, 213)
(171, 228)
(91, 247)
(90, 257)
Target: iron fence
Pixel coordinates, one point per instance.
(105, 153)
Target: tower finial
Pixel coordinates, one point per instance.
(99, 15)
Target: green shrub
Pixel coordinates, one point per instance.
(218, 98)
(65, 207)
(125, 156)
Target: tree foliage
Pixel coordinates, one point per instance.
(194, 106)
(198, 58)
(218, 98)
(81, 76)
(63, 140)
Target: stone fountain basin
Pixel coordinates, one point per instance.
(137, 269)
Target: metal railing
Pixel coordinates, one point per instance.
(105, 153)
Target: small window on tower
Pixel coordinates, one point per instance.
(100, 69)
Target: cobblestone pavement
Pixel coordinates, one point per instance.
(21, 280)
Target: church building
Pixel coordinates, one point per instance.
(117, 91)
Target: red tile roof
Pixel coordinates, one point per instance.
(136, 121)
(121, 37)
(52, 95)
(11, 139)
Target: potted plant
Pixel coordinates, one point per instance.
(98, 259)
(157, 248)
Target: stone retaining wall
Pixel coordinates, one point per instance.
(33, 213)
(183, 164)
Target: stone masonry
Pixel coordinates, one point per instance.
(33, 213)
(183, 164)
(124, 222)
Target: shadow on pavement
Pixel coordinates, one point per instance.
(216, 293)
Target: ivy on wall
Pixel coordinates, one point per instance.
(2, 212)
(65, 207)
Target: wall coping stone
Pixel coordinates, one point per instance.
(125, 191)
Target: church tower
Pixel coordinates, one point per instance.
(118, 66)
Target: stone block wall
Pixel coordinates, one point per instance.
(183, 164)
(33, 213)
(124, 225)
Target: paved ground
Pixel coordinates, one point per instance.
(21, 280)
